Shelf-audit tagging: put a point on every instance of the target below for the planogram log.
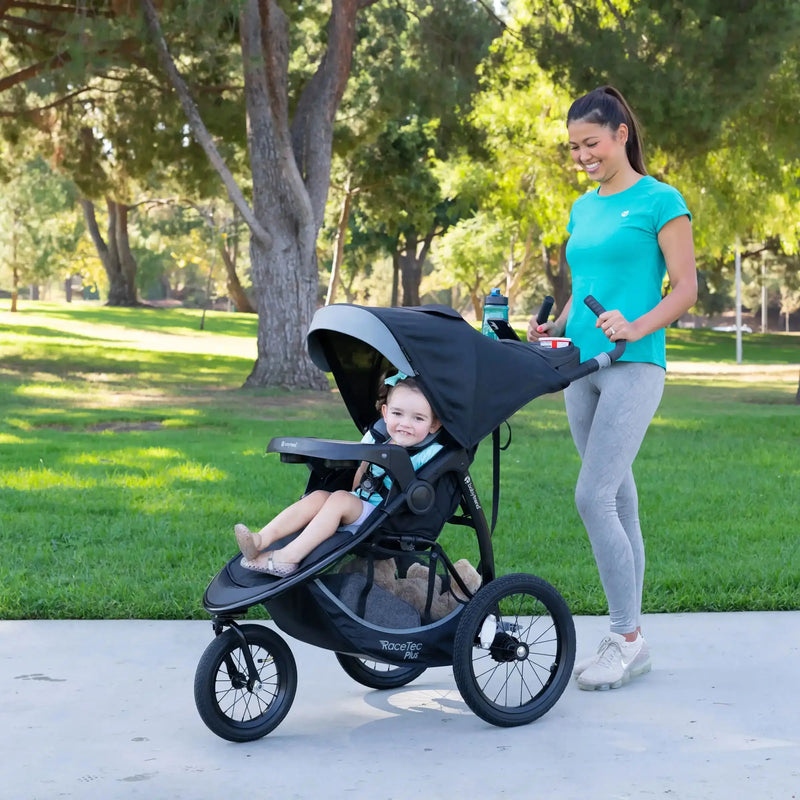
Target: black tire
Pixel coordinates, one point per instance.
(526, 668)
(376, 674)
(225, 703)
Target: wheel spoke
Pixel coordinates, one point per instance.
(526, 668)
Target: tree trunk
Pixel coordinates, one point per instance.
(286, 286)
(395, 299)
(14, 269)
(14, 288)
(477, 302)
(237, 294)
(410, 271)
(115, 254)
(68, 288)
(290, 166)
(284, 268)
(516, 270)
(338, 253)
(411, 263)
(558, 275)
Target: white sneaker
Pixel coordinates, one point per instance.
(614, 664)
(643, 657)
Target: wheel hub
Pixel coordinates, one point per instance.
(507, 648)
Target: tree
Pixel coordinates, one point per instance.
(521, 184)
(290, 160)
(416, 99)
(79, 88)
(38, 226)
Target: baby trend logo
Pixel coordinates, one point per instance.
(625, 213)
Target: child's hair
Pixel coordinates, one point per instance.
(385, 391)
(606, 106)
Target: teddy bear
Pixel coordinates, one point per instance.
(414, 588)
(384, 571)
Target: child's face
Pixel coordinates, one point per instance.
(408, 416)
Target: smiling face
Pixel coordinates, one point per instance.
(408, 416)
(598, 150)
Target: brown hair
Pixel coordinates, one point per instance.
(606, 106)
(385, 390)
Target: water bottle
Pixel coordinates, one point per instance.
(495, 306)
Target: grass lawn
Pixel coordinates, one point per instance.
(128, 451)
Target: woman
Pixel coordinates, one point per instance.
(624, 236)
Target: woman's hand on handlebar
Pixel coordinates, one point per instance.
(537, 331)
(616, 327)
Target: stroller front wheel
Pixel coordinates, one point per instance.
(234, 703)
(514, 650)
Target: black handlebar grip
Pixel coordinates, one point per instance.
(593, 305)
(544, 311)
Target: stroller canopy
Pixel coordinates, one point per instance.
(473, 382)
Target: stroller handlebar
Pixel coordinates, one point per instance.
(600, 361)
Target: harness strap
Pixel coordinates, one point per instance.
(496, 448)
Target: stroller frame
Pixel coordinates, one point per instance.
(511, 644)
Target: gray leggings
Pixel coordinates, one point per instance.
(609, 412)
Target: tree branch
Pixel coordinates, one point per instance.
(312, 126)
(615, 11)
(264, 34)
(34, 69)
(198, 126)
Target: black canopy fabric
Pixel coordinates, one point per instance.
(473, 382)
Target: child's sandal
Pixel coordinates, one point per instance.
(246, 540)
(280, 569)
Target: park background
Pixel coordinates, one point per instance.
(184, 183)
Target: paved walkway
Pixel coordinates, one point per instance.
(105, 710)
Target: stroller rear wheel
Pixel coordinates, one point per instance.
(236, 703)
(514, 650)
(376, 674)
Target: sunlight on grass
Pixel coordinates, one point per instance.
(156, 330)
(195, 472)
(127, 457)
(34, 480)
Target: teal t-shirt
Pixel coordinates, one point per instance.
(614, 256)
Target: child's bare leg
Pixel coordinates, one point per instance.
(339, 508)
(291, 519)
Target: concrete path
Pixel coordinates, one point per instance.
(105, 710)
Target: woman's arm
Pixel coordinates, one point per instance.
(675, 241)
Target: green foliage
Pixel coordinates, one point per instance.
(406, 107)
(685, 67)
(39, 226)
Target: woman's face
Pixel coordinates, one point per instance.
(597, 149)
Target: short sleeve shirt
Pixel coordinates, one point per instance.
(614, 256)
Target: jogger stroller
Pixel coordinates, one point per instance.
(511, 644)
